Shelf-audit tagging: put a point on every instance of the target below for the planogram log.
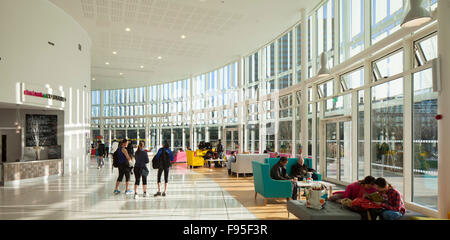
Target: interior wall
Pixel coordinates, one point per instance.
(16, 142)
(26, 29)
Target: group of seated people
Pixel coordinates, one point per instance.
(389, 207)
(299, 171)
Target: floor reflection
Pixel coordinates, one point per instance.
(88, 195)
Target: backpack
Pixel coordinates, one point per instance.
(156, 162)
(116, 158)
(165, 159)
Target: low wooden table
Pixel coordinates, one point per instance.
(305, 185)
(213, 160)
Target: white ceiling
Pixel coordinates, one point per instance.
(218, 32)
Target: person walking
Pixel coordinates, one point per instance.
(219, 150)
(124, 167)
(140, 169)
(101, 154)
(164, 156)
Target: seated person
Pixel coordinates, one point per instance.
(358, 189)
(277, 155)
(300, 170)
(279, 172)
(393, 206)
(230, 160)
(209, 155)
(265, 151)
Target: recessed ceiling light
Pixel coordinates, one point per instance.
(107, 63)
(142, 66)
(183, 36)
(121, 74)
(93, 79)
(127, 29)
(159, 57)
(114, 52)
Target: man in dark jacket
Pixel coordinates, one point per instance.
(219, 150)
(279, 172)
(300, 170)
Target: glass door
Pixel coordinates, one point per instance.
(338, 150)
(331, 150)
(345, 151)
(232, 140)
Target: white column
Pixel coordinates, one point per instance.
(444, 109)
(354, 143)
(304, 102)
(252, 137)
(407, 120)
(183, 138)
(171, 138)
(102, 119)
(367, 114)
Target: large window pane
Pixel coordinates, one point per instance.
(361, 134)
(386, 18)
(425, 140)
(285, 136)
(353, 80)
(285, 53)
(269, 61)
(285, 81)
(387, 132)
(351, 13)
(325, 31)
(388, 66)
(426, 50)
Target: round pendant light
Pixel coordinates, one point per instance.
(323, 71)
(416, 16)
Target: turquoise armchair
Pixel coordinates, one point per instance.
(291, 162)
(266, 186)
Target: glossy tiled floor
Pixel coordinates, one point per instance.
(88, 195)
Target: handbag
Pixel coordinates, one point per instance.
(145, 172)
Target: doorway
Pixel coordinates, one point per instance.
(337, 145)
(231, 139)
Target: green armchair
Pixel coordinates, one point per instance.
(266, 186)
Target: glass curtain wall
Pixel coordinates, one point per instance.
(207, 103)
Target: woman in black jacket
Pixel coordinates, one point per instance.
(165, 157)
(140, 169)
(100, 154)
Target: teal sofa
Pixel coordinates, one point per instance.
(266, 186)
(291, 162)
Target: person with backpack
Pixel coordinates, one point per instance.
(162, 162)
(123, 162)
(140, 169)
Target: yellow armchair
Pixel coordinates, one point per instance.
(194, 161)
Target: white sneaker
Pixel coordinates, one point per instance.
(136, 196)
(144, 195)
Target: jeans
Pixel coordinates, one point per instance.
(391, 215)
